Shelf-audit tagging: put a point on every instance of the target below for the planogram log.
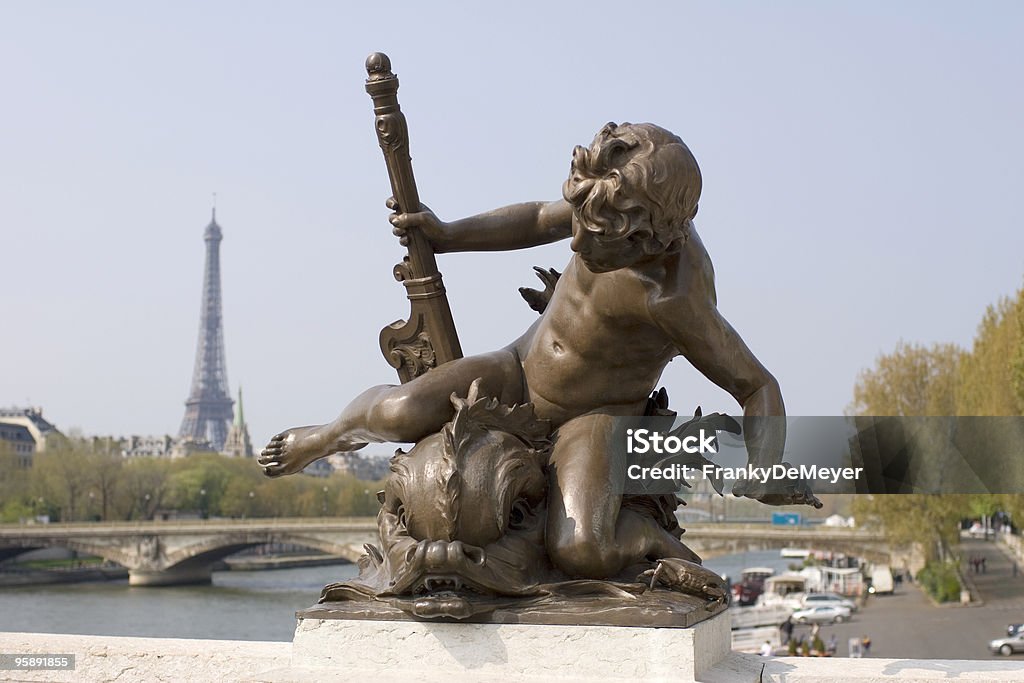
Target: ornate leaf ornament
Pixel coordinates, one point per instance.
(447, 475)
(489, 413)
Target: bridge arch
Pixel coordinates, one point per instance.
(12, 549)
(151, 562)
(217, 548)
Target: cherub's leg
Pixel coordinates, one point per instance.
(588, 536)
(403, 414)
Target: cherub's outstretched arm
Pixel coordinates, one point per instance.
(511, 227)
(708, 341)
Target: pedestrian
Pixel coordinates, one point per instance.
(766, 649)
(983, 565)
(787, 630)
(833, 645)
(865, 645)
(854, 646)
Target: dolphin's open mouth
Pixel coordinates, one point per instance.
(448, 583)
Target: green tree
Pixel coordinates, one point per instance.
(60, 476)
(15, 501)
(991, 378)
(913, 380)
(929, 519)
(198, 483)
(105, 465)
(143, 488)
(357, 498)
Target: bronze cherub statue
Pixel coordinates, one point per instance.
(544, 478)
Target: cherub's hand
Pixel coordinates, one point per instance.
(788, 492)
(432, 227)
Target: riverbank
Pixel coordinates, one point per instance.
(251, 563)
(14, 575)
(43, 577)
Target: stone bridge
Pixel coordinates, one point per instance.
(176, 552)
(712, 540)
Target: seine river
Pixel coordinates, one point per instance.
(240, 605)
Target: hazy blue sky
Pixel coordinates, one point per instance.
(861, 161)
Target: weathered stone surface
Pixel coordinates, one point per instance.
(746, 668)
(512, 652)
(105, 658)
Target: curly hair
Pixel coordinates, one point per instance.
(635, 182)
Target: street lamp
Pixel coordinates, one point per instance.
(325, 502)
(145, 507)
(202, 504)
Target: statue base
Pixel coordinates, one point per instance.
(514, 645)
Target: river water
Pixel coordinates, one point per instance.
(239, 605)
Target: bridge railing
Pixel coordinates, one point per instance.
(215, 521)
(137, 527)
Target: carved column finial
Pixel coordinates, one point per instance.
(378, 66)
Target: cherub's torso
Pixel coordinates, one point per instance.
(597, 345)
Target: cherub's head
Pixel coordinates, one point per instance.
(634, 192)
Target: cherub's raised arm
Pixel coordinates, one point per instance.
(511, 227)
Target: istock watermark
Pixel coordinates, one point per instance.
(643, 441)
(663, 455)
(764, 475)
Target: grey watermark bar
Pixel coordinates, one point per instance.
(837, 454)
(37, 662)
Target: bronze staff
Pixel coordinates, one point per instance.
(428, 338)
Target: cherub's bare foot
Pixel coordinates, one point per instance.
(294, 449)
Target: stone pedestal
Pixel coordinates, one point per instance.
(429, 651)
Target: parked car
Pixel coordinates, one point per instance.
(824, 614)
(1008, 645)
(826, 599)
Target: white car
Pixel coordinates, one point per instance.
(1007, 646)
(828, 599)
(826, 614)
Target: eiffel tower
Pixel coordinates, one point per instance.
(208, 410)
